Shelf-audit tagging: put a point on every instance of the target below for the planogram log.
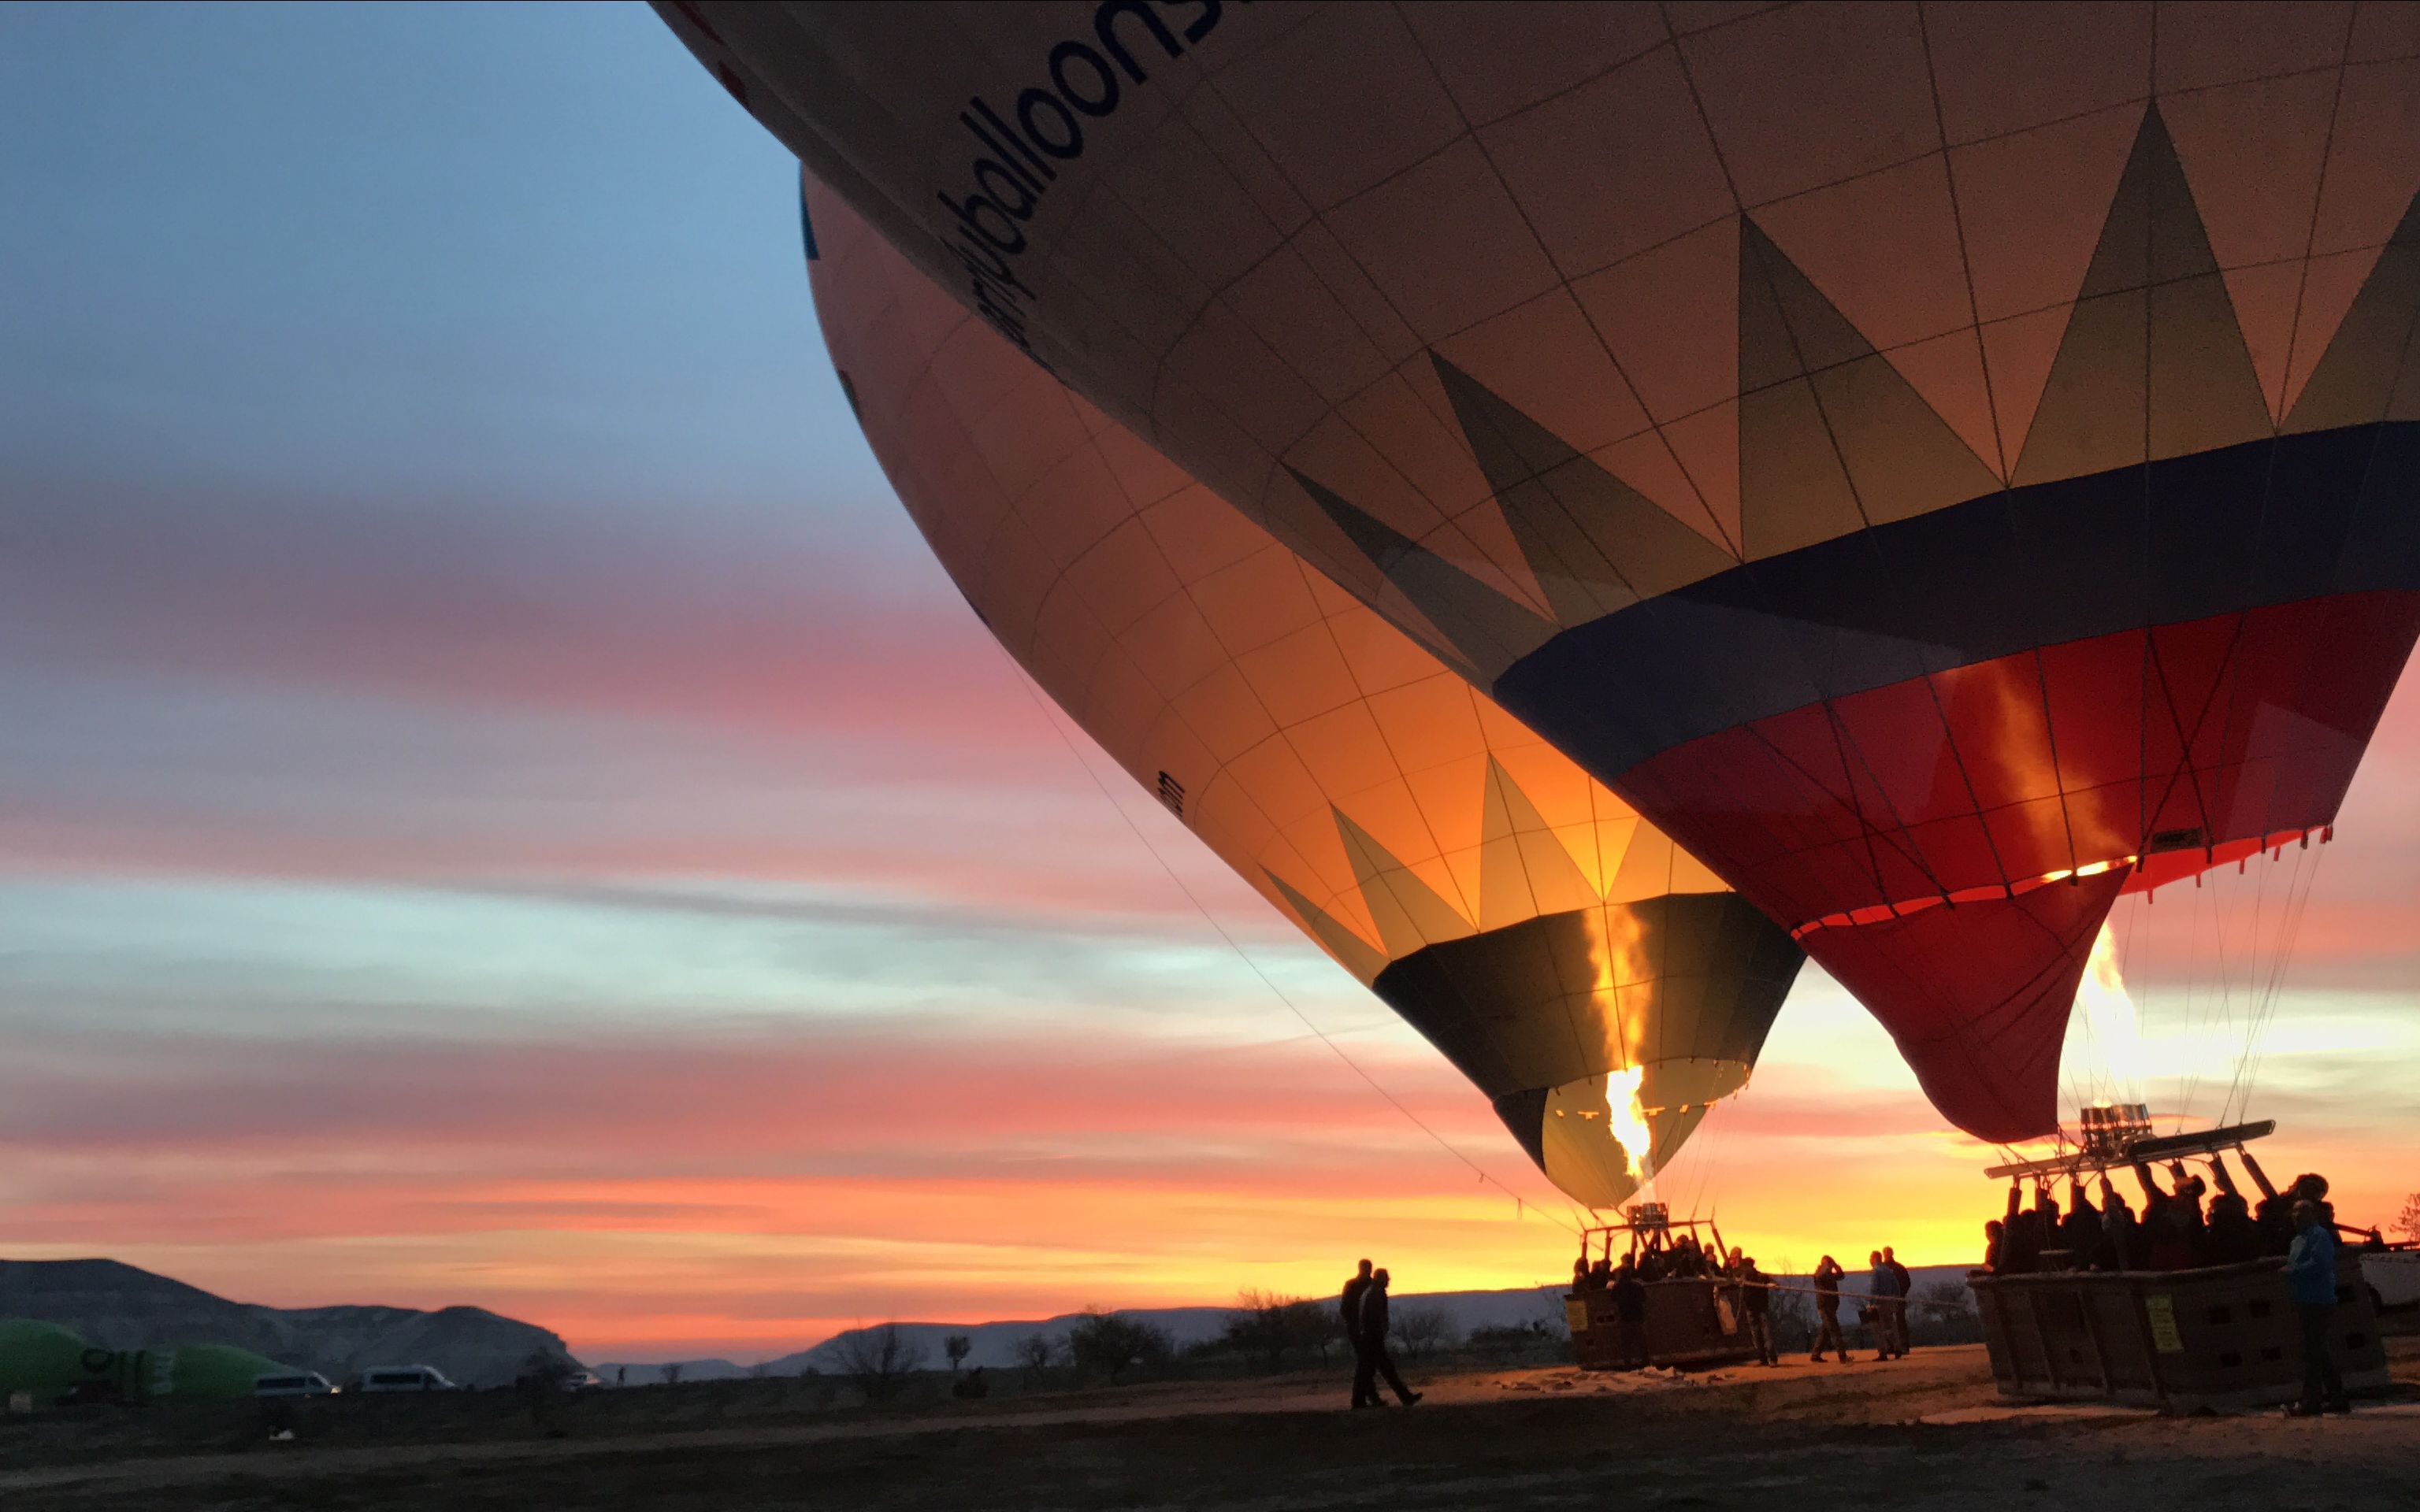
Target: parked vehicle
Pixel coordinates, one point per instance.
(293, 1383)
(2394, 1277)
(396, 1377)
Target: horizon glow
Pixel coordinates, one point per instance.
(501, 806)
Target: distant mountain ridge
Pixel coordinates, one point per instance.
(996, 1345)
(119, 1306)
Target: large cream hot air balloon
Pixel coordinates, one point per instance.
(1946, 465)
(1599, 987)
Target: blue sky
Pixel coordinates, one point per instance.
(497, 805)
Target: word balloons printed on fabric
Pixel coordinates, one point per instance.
(1945, 466)
(1601, 987)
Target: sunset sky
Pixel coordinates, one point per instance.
(498, 806)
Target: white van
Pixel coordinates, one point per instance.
(2394, 1277)
(294, 1383)
(406, 1378)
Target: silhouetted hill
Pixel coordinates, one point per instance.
(119, 1306)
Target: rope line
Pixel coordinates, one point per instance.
(1523, 1205)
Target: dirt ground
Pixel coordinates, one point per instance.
(1926, 1432)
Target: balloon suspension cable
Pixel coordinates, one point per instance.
(2264, 1006)
(1522, 1205)
(2215, 975)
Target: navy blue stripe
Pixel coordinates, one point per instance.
(2271, 522)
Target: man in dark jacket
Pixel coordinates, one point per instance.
(1877, 1309)
(1370, 1360)
(1350, 1310)
(1902, 1284)
(1629, 1294)
(2080, 1232)
(2311, 1281)
(1827, 1310)
(1755, 1306)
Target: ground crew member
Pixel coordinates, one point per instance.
(1629, 1315)
(1895, 1303)
(2311, 1280)
(1755, 1306)
(1827, 1310)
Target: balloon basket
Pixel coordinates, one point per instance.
(2220, 1339)
(1691, 1320)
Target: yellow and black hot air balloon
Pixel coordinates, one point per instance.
(1946, 464)
(1602, 988)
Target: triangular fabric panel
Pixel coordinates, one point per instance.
(1667, 316)
(1595, 543)
(1490, 630)
(1525, 871)
(1410, 914)
(1819, 397)
(2253, 153)
(2031, 206)
(1349, 949)
(1884, 250)
(1649, 464)
(2152, 357)
(2267, 298)
(2357, 381)
(2330, 285)
(1948, 373)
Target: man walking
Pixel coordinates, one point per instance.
(2311, 1280)
(1370, 1360)
(1349, 1307)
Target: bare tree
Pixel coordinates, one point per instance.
(1317, 1326)
(1789, 1309)
(881, 1358)
(1035, 1351)
(1267, 1324)
(957, 1347)
(1946, 1309)
(1112, 1344)
(2407, 1223)
(672, 1374)
(1421, 1331)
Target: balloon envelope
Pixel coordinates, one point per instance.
(1570, 960)
(1943, 467)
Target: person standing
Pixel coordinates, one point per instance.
(1349, 1308)
(1370, 1360)
(1755, 1306)
(2311, 1280)
(1877, 1312)
(1629, 1295)
(1902, 1284)
(1827, 1310)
